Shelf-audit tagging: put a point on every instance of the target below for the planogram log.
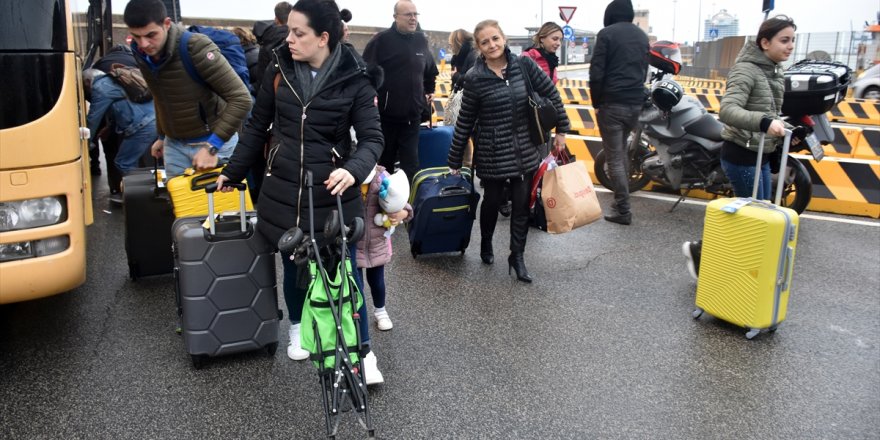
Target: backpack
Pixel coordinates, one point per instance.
(229, 45)
(132, 81)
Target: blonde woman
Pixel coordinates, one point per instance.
(545, 44)
(463, 55)
(494, 109)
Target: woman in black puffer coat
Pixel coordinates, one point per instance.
(312, 92)
(494, 110)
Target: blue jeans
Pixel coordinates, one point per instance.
(616, 122)
(179, 154)
(133, 148)
(742, 178)
(295, 297)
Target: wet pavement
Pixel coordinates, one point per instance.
(601, 345)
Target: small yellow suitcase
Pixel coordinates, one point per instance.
(190, 200)
(747, 260)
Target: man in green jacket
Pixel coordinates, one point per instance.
(197, 125)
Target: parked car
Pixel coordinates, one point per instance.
(867, 86)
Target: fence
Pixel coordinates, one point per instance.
(713, 59)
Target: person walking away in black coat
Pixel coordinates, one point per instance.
(494, 108)
(271, 38)
(617, 89)
(323, 89)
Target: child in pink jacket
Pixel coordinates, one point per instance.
(374, 250)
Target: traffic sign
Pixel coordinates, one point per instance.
(566, 12)
(568, 32)
(713, 33)
(442, 53)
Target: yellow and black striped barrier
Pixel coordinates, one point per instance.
(856, 111)
(840, 185)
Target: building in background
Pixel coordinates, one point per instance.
(641, 20)
(721, 25)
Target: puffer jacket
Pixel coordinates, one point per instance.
(494, 111)
(308, 136)
(184, 109)
(374, 249)
(542, 62)
(755, 87)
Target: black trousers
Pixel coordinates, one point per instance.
(401, 143)
(493, 196)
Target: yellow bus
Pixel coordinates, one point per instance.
(45, 187)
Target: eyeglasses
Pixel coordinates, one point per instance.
(411, 15)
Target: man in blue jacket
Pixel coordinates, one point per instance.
(408, 88)
(135, 122)
(617, 90)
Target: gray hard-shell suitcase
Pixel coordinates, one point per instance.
(225, 282)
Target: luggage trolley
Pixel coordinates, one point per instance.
(332, 287)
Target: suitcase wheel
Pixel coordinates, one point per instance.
(198, 361)
(133, 271)
(697, 313)
(752, 333)
(772, 328)
(272, 348)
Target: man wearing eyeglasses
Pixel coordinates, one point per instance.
(408, 88)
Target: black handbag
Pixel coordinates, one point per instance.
(542, 113)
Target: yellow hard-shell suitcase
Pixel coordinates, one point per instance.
(747, 261)
(190, 200)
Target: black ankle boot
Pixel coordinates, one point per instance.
(516, 263)
(486, 251)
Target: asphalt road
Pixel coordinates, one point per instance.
(601, 345)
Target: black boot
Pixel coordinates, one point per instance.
(486, 251)
(516, 263)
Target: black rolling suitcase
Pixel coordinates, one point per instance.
(148, 217)
(225, 282)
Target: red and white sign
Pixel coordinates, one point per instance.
(566, 12)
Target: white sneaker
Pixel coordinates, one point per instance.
(294, 348)
(371, 370)
(383, 321)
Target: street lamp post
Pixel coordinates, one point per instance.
(674, 13)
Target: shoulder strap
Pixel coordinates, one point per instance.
(526, 75)
(186, 59)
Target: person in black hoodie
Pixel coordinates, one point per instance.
(410, 74)
(271, 38)
(617, 90)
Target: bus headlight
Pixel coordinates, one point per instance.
(32, 213)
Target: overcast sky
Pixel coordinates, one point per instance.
(514, 15)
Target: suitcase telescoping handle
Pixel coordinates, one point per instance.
(786, 145)
(211, 189)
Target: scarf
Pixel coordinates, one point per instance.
(311, 85)
(552, 59)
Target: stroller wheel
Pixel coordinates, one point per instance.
(356, 231)
(301, 253)
(290, 240)
(332, 226)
